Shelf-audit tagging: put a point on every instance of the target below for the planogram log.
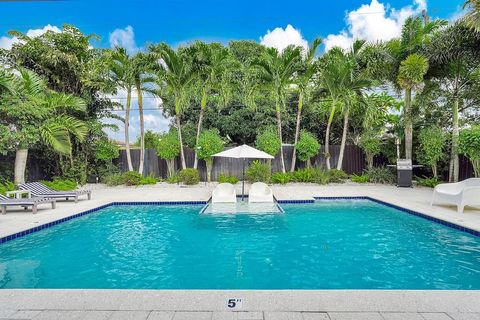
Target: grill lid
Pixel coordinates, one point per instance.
(404, 164)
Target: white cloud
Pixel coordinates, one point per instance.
(124, 38)
(281, 38)
(373, 22)
(7, 42)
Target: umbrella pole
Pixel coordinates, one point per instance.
(243, 179)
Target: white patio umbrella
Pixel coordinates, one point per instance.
(243, 152)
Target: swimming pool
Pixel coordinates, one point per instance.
(341, 244)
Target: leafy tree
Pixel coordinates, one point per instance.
(473, 15)
(209, 143)
(277, 72)
(151, 139)
(470, 146)
(106, 150)
(304, 81)
(307, 147)
(432, 142)
(268, 141)
(168, 148)
(371, 145)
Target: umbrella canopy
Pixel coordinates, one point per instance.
(243, 152)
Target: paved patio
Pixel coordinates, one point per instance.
(260, 304)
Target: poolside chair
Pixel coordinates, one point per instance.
(461, 194)
(260, 192)
(40, 190)
(26, 202)
(224, 193)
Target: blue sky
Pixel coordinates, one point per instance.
(274, 23)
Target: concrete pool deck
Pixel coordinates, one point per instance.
(256, 304)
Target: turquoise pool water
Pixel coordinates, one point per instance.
(351, 244)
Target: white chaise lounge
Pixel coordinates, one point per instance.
(224, 193)
(461, 194)
(260, 192)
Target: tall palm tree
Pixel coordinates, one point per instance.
(305, 87)
(122, 69)
(277, 71)
(473, 15)
(213, 63)
(176, 76)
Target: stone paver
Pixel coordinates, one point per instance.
(355, 316)
(58, 315)
(249, 315)
(465, 316)
(283, 316)
(401, 316)
(25, 314)
(6, 313)
(129, 315)
(226, 315)
(315, 316)
(192, 316)
(160, 315)
(435, 316)
(96, 315)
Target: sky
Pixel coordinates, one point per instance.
(133, 24)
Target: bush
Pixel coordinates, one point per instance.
(321, 176)
(258, 172)
(132, 178)
(336, 175)
(307, 146)
(150, 179)
(113, 179)
(360, 178)
(432, 141)
(281, 178)
(371, 145)
(174, 178)
(428, 182)
(6, 186)
(380, 175)
(189, 176)
(61, 184)
(469, 145)
(304, 175)
(227, 179)
(106, 150)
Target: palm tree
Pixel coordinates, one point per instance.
(473, 16)
(36, 109)
(122, 71)
(176, 76)
(213, 63)
(277, 71)
(411, 73)
(304, 83)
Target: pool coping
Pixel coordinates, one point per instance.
(23, 233)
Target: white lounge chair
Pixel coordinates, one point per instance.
(260, 192)
(461, 194)
(224, 193)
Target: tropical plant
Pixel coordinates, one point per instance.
(380, 175)
(209, 143)
(469, 145)
(106, 150)
(281, 178)
(168, 148)
(269, 142)
(277, 71)
(224, 178)
(473, 15)
(360, 178)
(61, 184)
(432, 142)
(428, 182)
(307, 147)
(132, 178)
(258, 172)
(189, 176)
(371, 145)
(336, 175)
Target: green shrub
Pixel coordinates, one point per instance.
(168, 148)
(304, 175)
(174, 178)
(106, 150)
(113, 179)
(6, 186)
(469, 145)
(336, 175)
(380, 175)
(258, 172)
(132, 178)
(321, 176)
(371, 144)
(428, 182)
(189, 176)
(227, 179)
(432, 141)
(360, 178)
(209, 143)
(307, 146)
(281, 178)
(268, 141)
(61, 184)
(150, 179)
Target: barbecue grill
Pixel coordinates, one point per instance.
(404, 172)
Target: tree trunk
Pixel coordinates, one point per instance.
(455, 134)
(435, 171)
(327, 136)
(476, 168)
(170, 167)
(407, 118)
(297, 132)
(279, 129)
(142, 129)
(369, 160)
(127, 121)
(182, 153)
(344, 139)
(209, 164)
(199, 130)
(20, 165)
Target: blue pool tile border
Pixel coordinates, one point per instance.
(83, 213)
(296, 201)
(409, 211)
